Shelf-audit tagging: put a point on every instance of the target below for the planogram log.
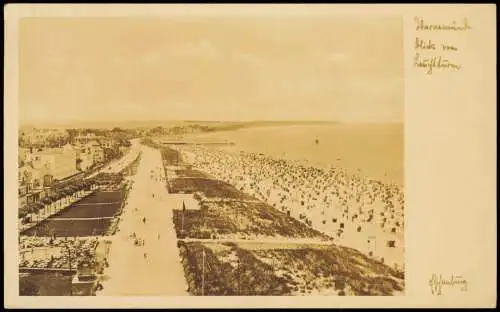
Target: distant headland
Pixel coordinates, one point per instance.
(206, 124)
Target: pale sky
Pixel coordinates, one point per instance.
(121, 69)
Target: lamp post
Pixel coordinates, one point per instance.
(183, 211)
(203, 274)
(70, 271)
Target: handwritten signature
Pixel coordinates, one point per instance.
(437, 282)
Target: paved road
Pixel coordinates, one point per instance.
(153, 269)
(118, 165)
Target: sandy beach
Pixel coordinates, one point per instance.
(358, 211)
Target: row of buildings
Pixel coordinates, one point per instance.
(42, 137)
(40, 168)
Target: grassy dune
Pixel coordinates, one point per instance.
(210, 187)
(241, 220)
(235, 269)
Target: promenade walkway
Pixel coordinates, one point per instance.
(154, 268)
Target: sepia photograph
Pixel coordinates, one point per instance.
(211, 156)
(254, 156)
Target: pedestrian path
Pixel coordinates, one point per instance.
(93, 204)
(80, 219)
(152, 268)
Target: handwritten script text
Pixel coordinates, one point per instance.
(432, 54)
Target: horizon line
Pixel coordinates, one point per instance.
(55, 123)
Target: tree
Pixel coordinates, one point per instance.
(111, 153)
(86, 184)
(79, 163)
(39, 207)
(22, 213)
(46, 202)
(53, 200)
(58, 196)
(72, 133)
(36, 183)
(30, 208)
(74, 187)
(67, 192)
(157, 130)
(81, 186)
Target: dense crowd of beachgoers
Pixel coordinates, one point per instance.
(331, 200)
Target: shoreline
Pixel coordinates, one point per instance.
(356, 148)
(308, 164)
